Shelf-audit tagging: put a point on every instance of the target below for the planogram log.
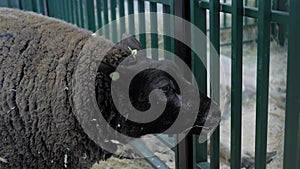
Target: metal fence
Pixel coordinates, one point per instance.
(92, 15)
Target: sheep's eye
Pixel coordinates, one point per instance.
(166, 88)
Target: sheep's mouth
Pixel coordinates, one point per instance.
(207, 119)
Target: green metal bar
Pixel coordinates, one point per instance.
(41, 6)
(113, 18)
(21, 4)
(131, 19)
(54, 8)
(8, 3)
(236, 83)
(58, 8)
(27, 5)
(51, 8)
(275, 5)
(264, 18)
(215, 76)
(81, 13)
(167, 140)
(122, 14)
(167, 28)
(4, 3)
(229, 43)
(153, 28)
(66, 13)
(105, 9)
(105, 13)
(76, 13)
(34, 5)
(292, 118)
(91, 15)
(164, 2)
(276, 16)
(229, 27)
(152, 159)
(172, 12)
(142, 23)
(99, 15)
(224, 17)
(246, 18)
(198, 18)
(71, 7)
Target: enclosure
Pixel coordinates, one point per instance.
(260, 39)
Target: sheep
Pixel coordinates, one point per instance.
(38, 126)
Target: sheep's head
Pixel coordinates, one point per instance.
(155, 76)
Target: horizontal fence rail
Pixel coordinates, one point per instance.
(204, 14)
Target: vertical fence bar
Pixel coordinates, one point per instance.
(46, 7)
(264, 16)
(59, 8)
(236, 83)
(105, 13)
(73, 11)
(41, 6)
(21, 4)
(4, 3)
(71, 7)
(292, 121)
(50, 8)
(184, 150)
(67, 8)
(91, 15)
(113, 18)
(246, 18)
(27, 5)
(153, 29)
(131, 19)
(167, 28)
(214, 9)
(122, 14)
(34, 5)
(142, 23)
(76, 13)
(99, 14)
(66, 11)
(225, 17)
(81, 13)
(198, 18)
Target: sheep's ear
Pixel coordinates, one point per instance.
(131, 42)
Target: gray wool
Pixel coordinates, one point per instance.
(38, 128)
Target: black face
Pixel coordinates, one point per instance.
(139, 90)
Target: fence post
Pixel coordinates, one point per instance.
(91, 15)
(198, 18)
(184, 150)
(236, 83)
(214, 19)
(263, 59)
(292, 121)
